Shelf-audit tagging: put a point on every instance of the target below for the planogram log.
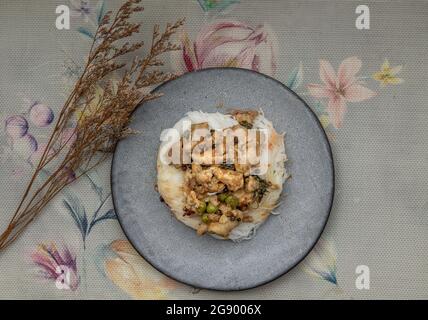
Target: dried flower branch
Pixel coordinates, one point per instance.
(102, 120)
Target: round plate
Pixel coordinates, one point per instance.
(205, 262)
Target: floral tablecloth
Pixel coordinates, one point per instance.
(368, 87)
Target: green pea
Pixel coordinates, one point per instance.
(202, 207)
(211, 208)
(222, 197)
(205, 218)
(232, 201)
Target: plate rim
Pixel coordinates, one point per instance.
(331, 200)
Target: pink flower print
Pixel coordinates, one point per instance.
(341, 88)
(229, 44)
(56, 265)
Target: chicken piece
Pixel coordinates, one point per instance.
(213, 199)
(244, 198)
(203, 228)
(213, 217)
(237, 214)
(202, 176)
(222, 229)
(251, 184)
(223, 219)
(192, 199)
(215, 186)
(232, 179)
(200, 189)
(196, 168)
(225, 209)
(189, 177)
(243, 168)
(245, 117)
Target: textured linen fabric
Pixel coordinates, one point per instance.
(378, 133)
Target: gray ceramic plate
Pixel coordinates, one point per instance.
(204, 262)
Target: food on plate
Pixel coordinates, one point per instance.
(222, 174)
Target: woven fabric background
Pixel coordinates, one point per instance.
(379, 137)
